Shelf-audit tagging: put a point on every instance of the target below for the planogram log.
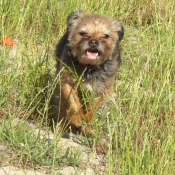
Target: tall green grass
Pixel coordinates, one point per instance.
(139, 123)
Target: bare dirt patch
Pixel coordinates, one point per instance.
(90, 161)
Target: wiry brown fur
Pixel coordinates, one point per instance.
(82, 77)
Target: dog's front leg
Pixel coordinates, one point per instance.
(88, 115)
(72, 105)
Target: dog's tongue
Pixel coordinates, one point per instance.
(91, 55)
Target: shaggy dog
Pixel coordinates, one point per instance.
(88, 57)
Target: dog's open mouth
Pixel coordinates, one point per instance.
(92, 54)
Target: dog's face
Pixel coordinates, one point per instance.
(93, 37)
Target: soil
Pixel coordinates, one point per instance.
(91, 162)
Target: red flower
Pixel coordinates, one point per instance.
(7, 41)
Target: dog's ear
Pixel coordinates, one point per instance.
(74, 18)
(118, 27)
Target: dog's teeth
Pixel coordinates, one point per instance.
(96, 55)
(91, 55)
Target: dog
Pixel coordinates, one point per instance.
(87, 60)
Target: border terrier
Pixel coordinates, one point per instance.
(88, 57)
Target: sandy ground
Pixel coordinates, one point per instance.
(92, 163)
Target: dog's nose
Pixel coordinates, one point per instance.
(93, 43)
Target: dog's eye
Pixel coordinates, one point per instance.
(106, 36)
(82, 33)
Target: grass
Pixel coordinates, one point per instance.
(139, 124)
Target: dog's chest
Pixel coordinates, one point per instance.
(88, 86)
(86, 80)
(93, 78)
(92, 83)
